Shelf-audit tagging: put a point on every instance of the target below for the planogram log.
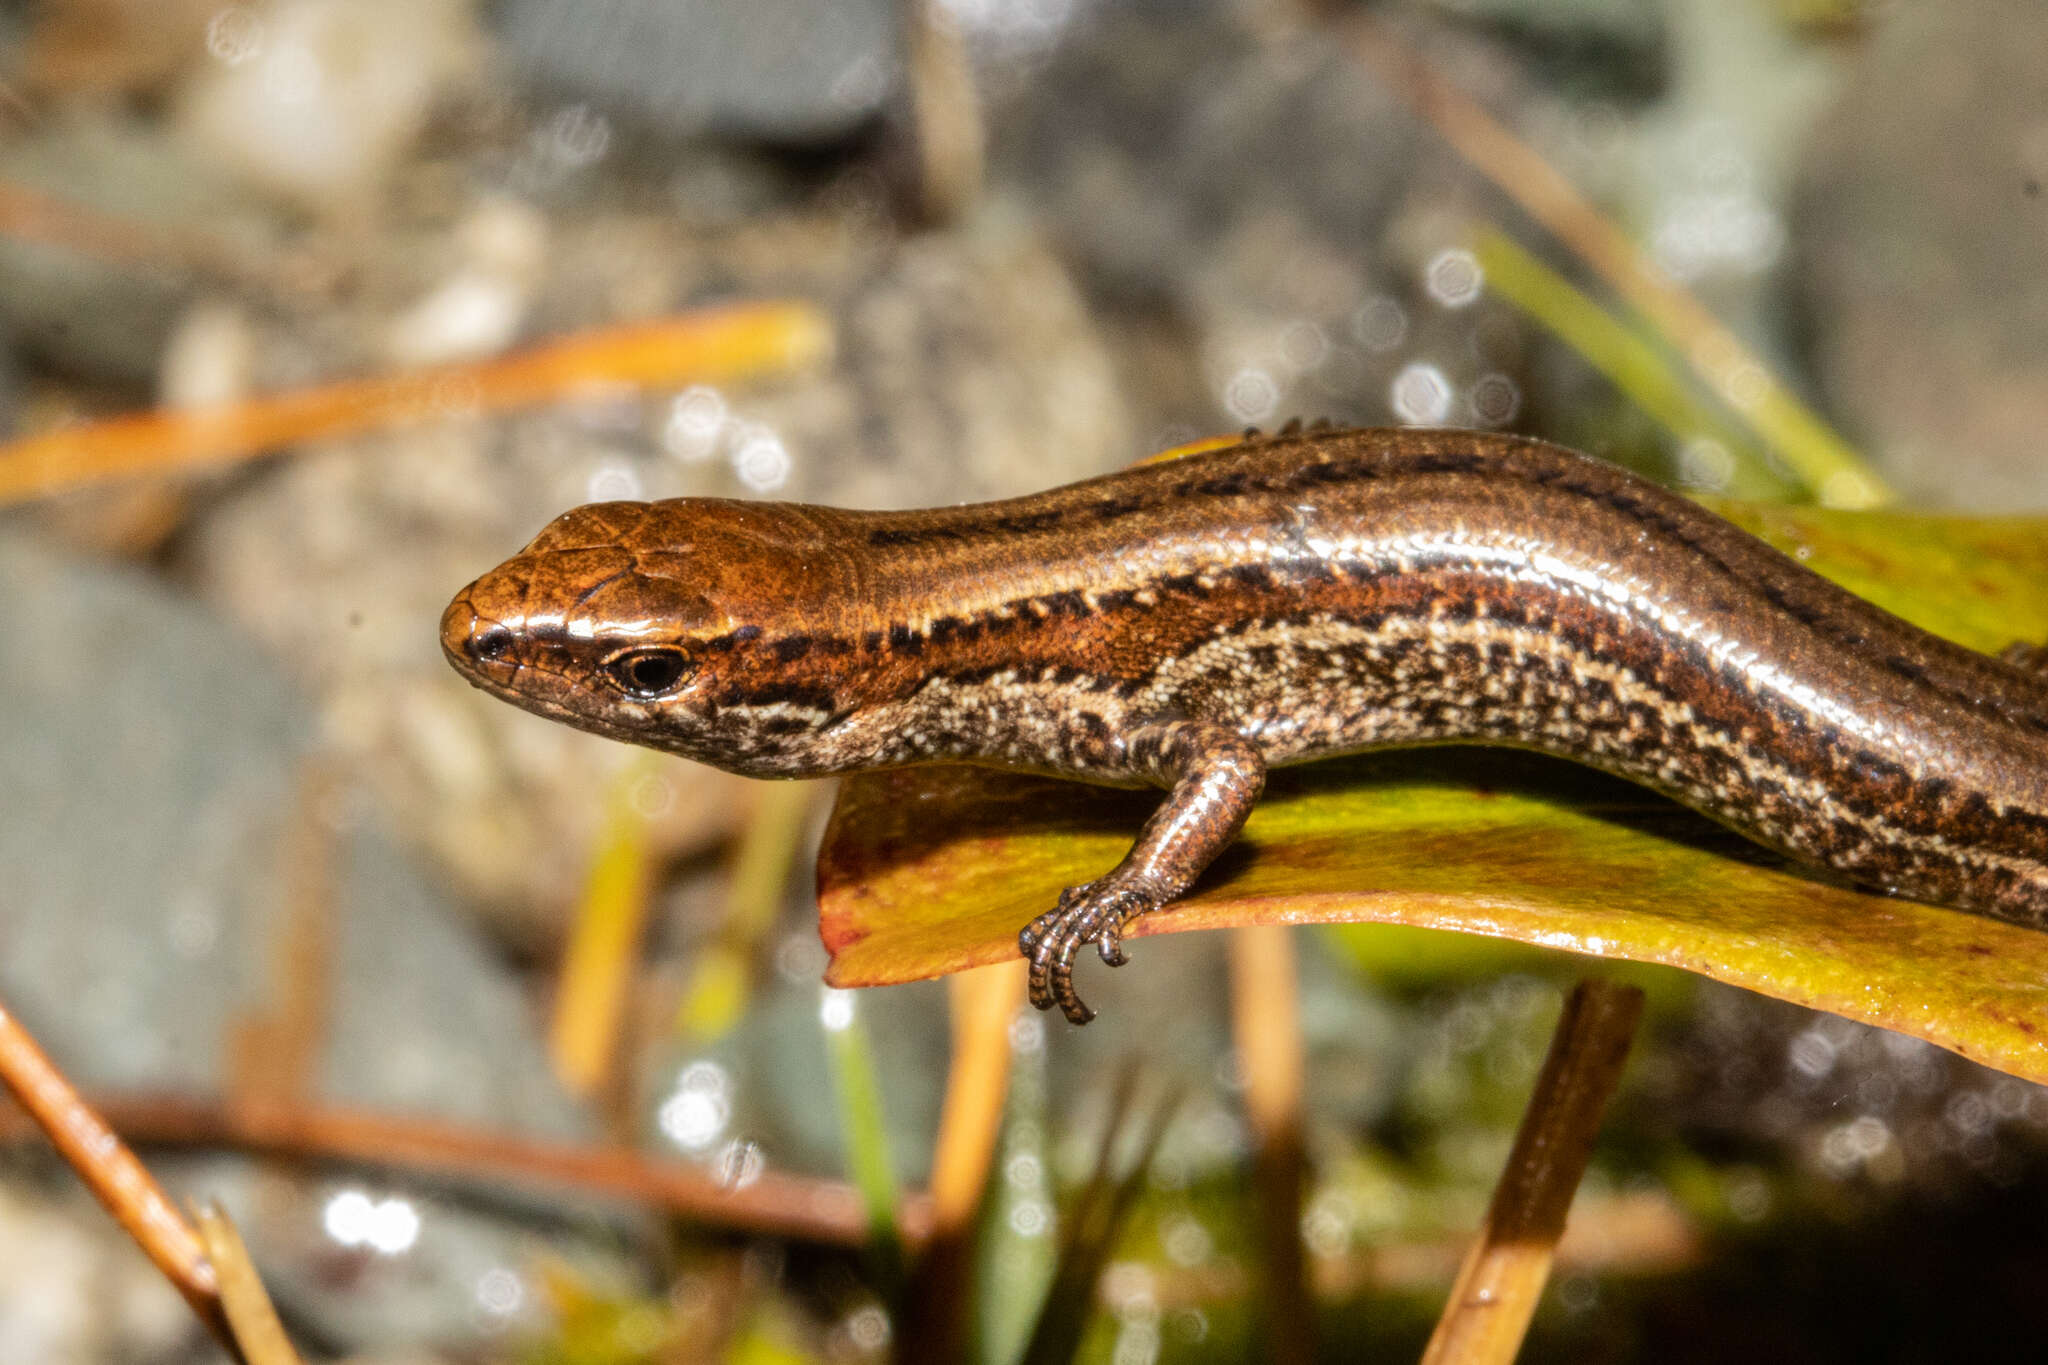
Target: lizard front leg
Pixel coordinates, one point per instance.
(1215, 776)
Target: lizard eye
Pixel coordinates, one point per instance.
(490, 644)
(648, 673)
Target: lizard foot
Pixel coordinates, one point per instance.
(1093, 913)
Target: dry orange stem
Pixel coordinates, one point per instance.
(257, 1329)
(119, 1181)
(29, 215)
(984, 1001)
(774, 1204)
(1503, 1274)
(711, 345)
(1265, 1008)
(275, 1049)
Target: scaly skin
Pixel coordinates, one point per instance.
(1189, 624)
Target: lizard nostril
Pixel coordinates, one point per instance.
(490, 643)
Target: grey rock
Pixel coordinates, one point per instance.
(101, 314)
(785, 70)
(1149, 143)
(151, 758)
(1272, 207)
(151, 761)
(1921, 223)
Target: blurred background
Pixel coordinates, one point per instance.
(503, 1043)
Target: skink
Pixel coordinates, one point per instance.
(1189, 624)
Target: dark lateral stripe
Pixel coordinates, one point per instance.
(1021, 613)
(1068, 603)
(1874, 792)
(1564, 474)
(1026, 522)
(1277, 576)
(814, 697)
(724, 644)
(1871, 787)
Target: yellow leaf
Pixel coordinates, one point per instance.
(928, 871)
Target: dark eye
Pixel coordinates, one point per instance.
(490, 643)
(648, 673)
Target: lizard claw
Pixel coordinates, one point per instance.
(1097, 913)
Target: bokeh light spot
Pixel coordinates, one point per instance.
(1454, 278)
(1420, 395)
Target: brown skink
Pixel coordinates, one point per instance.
(1189, 624)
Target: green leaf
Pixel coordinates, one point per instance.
(927, 871)
(865, 1130)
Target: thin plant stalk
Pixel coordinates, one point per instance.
(1824, 463)
(121, 1183)
(1265, 1011)
(984, 1003)
(1503, 1274)
(1090, 1226)
(1645, 372)
(243, 1297)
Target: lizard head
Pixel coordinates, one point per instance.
(652, 623)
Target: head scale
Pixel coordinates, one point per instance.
(635, 620)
